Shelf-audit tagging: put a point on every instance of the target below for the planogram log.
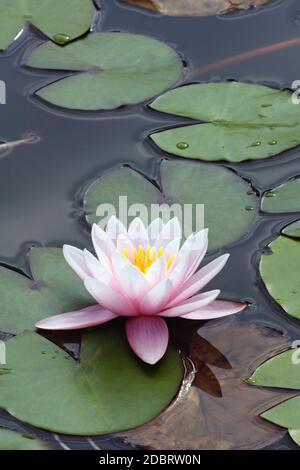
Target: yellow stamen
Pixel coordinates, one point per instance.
(143, 258)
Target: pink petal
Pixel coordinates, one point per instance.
(199, 280)
(156, 298)
(124, 243)
(156, 272)
(85, 318)
(75, 258)
(191, 305)
(169, 232)
(216, 309)
(97, 269)
(109, 298)
(148, 337)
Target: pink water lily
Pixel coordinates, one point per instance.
(144, 274)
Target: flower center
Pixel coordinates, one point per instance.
(143, 258)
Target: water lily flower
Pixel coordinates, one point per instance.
(144, 274)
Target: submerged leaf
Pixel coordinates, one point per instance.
(201, 418)
(108, 390)
(286, 198)
(227, 200)
(61, 20)
(55, 288)
(109, 70)
(244, 121)
(280, 272)
(196, 7)
(11, 440)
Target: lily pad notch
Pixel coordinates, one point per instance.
(240, 121)
(109, 70)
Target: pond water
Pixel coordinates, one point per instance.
(40, 202)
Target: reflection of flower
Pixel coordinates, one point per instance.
(144, 275)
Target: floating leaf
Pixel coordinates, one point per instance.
(286, 198)
(280, 272)
(228, 200)
(55, 288)
(110, 70)
(202, 419)
(282, 371)
(245, 121)
(196, 7)
(61, 20)
(10, 440)
(295, 435)
(292, 230)
(108, 390)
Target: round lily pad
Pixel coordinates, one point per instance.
(109, 390)
(54, 288)
(228, 202)
(242, 121)
(62, 21)
(108, 70)
(292, 230)
(280, 272)
(285, 198)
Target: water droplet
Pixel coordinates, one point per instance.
(266, 105)
(270, 194)
(182, 145)
(61, 38)
(294, 291)
(53, 357)
(249, 208)
(43, 352)
(261, 116)
(255, 144)
(273, 142)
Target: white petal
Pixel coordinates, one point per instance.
(75, 258)
(133, 283)
(192, 304)
(109, 298)
(172, 248)
(138, 233)
(97, 269)
(170, 231)
(124, 243)
(156, 298)
(102, 243)
(157, 271)
(154, 230)
(115, 228)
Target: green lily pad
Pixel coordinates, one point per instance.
(295, 435)
(110, 70)
(54, 289)
(62, 21)
(109, 390)
(280, 272)
(292, 230)
(11, 440)
(228, 200)
(286, 198)
(243, 121)
(281, 371)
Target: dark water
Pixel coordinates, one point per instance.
(41, 184)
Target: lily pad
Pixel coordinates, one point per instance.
(295, 435)
(282, 371)
(286, 198)
(108, 390)
(228, 200)
(54, 288)
(243, 121)
(62, 21)
(280, 272)
(109, 70)
(202, 418)
(196, 7)
(292, 230)
(11, 440)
